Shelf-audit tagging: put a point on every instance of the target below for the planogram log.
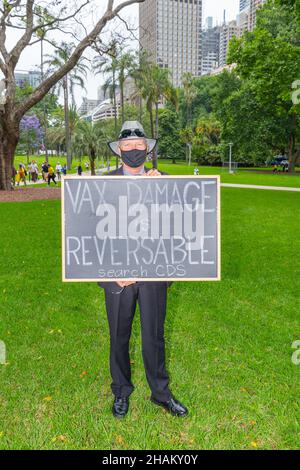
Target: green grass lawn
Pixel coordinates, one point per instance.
(241, 177)
(228, 343)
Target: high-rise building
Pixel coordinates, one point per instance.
(32, 77)
(171, 31)
(87, 106)
(243, 21)
(254, 5)
(209, 22)
(227, 32)
(244, 4)
(210, 47)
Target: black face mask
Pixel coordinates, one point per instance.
(134, 158)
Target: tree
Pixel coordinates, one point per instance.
(268, 60)
(107, 64)
(190, 93)
(29, 18)
(186, 137)
(31, 133)
(169, 143)
(155, 85)
(207, 136)
(67, 84)
(89, 139)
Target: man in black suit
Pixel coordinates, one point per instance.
(121, 298)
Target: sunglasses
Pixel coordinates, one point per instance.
(135, 133)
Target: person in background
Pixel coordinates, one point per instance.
(45, 171)
(196, 171)
(87, 165)
(79, 170)
(64, 170)
(275, 168)
(33, 171)
(21, 175)
(58, 169)
(36, 170)
(51, 175)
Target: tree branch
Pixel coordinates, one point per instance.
(48, 83)
(24, 40)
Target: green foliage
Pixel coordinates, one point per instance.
(169, 145)
(268, 63)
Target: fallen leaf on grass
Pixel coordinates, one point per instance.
(60, 438)
(119, 440)
(47, 398)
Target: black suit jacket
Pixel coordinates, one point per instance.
(113, 286)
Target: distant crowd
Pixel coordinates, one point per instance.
(47, 173)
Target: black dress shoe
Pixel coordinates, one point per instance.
(172, 405)
(120, 407)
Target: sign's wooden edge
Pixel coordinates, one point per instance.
(66, 177)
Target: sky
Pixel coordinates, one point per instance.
(215, 8)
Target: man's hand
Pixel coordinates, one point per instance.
(152, 172)
(125, 283)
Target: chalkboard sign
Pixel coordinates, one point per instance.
(142, 228)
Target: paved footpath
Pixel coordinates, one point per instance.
(228, 185)
(253, 186)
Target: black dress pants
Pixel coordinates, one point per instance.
(152, 299)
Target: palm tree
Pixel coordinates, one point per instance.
(89, 140)
(155, 85)
(186, 137)
(207, 134)
(57, 135)
(67, 84)
(140, 66)
(190, 93)
(117, 66)
(125, 64)
(107, 65)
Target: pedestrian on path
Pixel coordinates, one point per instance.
(58, 169)
(21, 175)
(45, 171)
(51, 175)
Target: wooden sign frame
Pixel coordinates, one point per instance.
(129, 177)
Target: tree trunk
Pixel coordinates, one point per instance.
(8, 144)
(154, 161)
(115, 112)
(292, 154)
(92, 160)
(155, 151)
(67, 123)
(140, 108)
(190, 154)
(122, 102)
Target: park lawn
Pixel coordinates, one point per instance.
(241, 177)
(228, 343)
